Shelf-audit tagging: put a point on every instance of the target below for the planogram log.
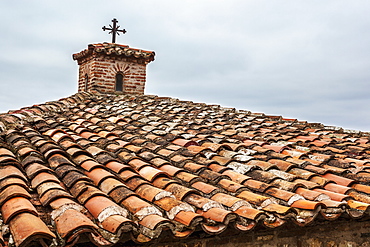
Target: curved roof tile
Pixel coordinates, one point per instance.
(122, 168)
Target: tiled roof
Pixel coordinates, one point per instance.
(113, 49)
(123, 168)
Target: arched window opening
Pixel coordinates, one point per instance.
(86, 81)
(119, 82)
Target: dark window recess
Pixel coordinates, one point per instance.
(86, 81)
(119, 82)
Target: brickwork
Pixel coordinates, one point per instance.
(98, 70)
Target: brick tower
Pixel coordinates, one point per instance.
(112, 68)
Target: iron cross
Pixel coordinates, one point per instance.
(114, 30)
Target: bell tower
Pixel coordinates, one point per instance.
(111, 67)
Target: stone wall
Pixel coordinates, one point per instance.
(339, 233)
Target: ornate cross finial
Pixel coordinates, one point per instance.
(114, 30)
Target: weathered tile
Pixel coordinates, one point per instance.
(15, 206)
(147, 167)
(28, 229)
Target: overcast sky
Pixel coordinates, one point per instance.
(308, 60)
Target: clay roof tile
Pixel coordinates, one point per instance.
(145, 167)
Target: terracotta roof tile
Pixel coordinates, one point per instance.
(28, 229)
(15, 206)
(70, 223)
(145, 167)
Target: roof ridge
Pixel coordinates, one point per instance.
(83, 97)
